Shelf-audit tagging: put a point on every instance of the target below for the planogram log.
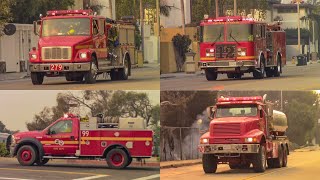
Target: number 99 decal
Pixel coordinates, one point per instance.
(85, 133)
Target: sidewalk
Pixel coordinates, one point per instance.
(175, 164)
(308, 149)
(12, 76)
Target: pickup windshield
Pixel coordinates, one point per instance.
(212, 33)
(239, 32)
(237, 111)
(66, 27)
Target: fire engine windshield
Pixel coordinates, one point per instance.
(239, 32)
(236, 111)
(212, 33)
(66, 27)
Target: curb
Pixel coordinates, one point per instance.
(182, 164)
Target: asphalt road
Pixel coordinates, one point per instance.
(147, 78)
(301, 165)
(10, 169)
(293, 78)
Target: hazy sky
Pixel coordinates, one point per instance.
(19, 107)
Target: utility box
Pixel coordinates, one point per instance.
(190, 67)
(15, 48)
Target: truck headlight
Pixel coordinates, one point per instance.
(83, 55)
(209, 52)
(204, 141)
(250, 140)
(242, 51)
(33, 56)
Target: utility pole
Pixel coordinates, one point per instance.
(217, 8)
(183, 17)
(111, 10)
(235, 7)
(299, 38)
(142, 28)
(158, 28)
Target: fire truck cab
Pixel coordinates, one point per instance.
(80, 45)
(236, 45)
(72, 137)
(245, 131)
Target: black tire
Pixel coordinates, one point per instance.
(230, 75)
(27, 155)
(234, 166)
(209, 163)
(129, 161)
(245, 166)
(124, 72)
(37, 78)
(238, 76)
(69, 77)
(91, 76)
(259, 162)
(261, 71)
(43, 162)
(113, 160)
(269, 72)
(278, 162)
(114, 75)
(285, 157)
(277, 70)
(270, 163)
(211, 75)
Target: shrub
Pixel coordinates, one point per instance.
(181, 45)
(3, 150)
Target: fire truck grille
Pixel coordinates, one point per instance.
(56, 53)
(226, 51)
(226, 129)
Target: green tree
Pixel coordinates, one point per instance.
(3, 150)
(5, 13)
(113, 104)
(200, 8)
(26, 11)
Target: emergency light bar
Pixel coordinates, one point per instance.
(69, 12)
(256, 98)
(229, 19)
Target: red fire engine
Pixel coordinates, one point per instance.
(238, 45)
(80, 46)
(244, 131)
(72, 137)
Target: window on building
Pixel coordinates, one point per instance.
(283, 11)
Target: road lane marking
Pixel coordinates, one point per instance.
(92, 177)
(50, 171)
(148, 177)
(13, 178)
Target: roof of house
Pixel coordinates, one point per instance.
(290, 6)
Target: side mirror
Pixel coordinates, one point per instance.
(210, 112)
(36, 27)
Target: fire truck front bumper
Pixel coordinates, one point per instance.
(228, 148)
(63, 67)
(228, 65)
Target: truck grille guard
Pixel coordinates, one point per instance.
(56, 53)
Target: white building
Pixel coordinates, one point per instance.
(287, 13)
(108, 10)
(175, 17)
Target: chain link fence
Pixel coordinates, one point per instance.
(179, 143)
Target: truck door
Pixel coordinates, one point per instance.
(99, 42)
(62, 138)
